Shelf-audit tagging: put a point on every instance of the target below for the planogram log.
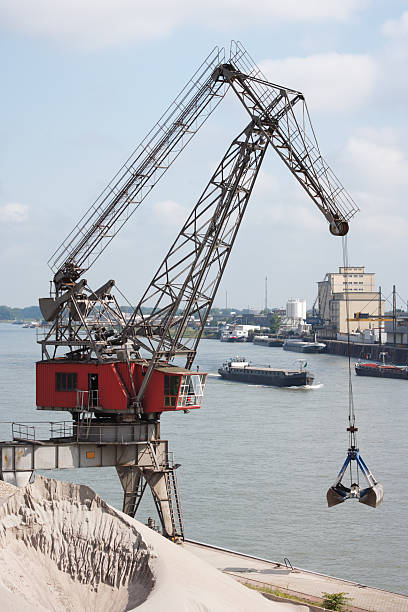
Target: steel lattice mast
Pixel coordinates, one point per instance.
(187, 281)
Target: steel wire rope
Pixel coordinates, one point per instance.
(351, 410)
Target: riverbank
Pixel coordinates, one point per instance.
(397, 355)
(268, 575)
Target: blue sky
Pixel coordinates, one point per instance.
(83, 82)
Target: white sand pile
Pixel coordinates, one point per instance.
(6, 490)
(63, 548)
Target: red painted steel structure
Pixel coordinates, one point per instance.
(108, 387)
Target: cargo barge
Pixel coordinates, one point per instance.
(238, 369)
(268, 341)
(381, 370)
(299, 346)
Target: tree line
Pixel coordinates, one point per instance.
(7, 313)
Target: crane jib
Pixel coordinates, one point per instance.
(293, 139)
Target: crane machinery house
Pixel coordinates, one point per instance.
(107, 387)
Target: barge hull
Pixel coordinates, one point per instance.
(285, 381)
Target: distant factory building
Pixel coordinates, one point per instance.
(358, 287)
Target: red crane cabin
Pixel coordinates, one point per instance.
(63, 384)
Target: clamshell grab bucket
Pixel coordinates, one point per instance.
(370, 496)
(337, 495)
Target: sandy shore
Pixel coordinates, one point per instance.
(62, 548)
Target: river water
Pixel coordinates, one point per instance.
(257, 461)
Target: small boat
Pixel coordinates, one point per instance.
(241, 370)
(300, 346)
(231, 337)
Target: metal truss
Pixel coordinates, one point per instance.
(187, 281)
(86, 323)
(140, 173)
(282, 110)
(291, 134)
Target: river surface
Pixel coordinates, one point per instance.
(257, 461)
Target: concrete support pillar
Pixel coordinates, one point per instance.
(157, 482)
(130, 479)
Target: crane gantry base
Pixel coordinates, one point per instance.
(140, 457)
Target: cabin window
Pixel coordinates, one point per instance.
(171, 390)
(65, 381)
(192, 390)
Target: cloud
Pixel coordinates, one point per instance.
(378, 169)
(330, 81)
(169, 213)
(396, 31)
(93, 24)
(13, 213)
(377, 163)
(281, 203)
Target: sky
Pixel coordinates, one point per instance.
(83, 81)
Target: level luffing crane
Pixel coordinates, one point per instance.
(96, 362)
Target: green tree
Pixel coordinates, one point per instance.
(5, 313)
(275, 322)
(335, 601)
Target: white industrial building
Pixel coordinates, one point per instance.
(296, 309)
(295, 319)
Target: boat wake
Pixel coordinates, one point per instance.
(304, 387)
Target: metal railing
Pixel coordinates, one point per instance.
(41, 431)
(62, 429)
(83, 430)
(22, 431)
(86, 399)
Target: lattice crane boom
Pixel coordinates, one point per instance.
(290, 132)
(292, 137)
(140, 173)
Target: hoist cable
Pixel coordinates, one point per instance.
(351, 411)
(354, 463)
